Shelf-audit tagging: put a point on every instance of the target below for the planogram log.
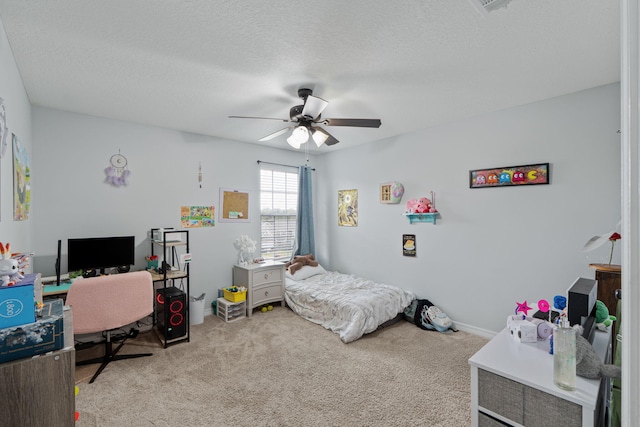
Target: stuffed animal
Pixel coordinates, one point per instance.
(588, 364)
(603, 319)
(299, 261)
(411, 205)
(8, 266)
(424, 204)
(421, 205)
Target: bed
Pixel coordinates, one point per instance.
(348, 305)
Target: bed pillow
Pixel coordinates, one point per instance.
(305, 272)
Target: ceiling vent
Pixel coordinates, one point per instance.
(486, 6)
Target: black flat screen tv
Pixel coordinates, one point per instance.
(100, 253)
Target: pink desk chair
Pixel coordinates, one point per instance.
(107, 303)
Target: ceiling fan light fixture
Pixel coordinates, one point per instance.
(313, 107)
(319, 137)
(299, 136)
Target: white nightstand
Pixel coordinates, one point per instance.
(264, 283)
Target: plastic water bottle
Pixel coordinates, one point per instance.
(564, 356)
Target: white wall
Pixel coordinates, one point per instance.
(18, 113)
(489, 249)
(71, 198)
(492, 247)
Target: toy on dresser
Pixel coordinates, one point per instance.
(603, 319)
(9, 267)
(524, 328)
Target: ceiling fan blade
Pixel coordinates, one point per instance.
(275, 134)
(264, 118)
(360, 123)
(322, 136)
(314, 106)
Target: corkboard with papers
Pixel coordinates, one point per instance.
(234, 205)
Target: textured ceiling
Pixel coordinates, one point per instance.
(189, 64)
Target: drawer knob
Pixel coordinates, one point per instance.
(266, 275)
(266, 293)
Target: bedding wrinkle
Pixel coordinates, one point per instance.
(346, 304)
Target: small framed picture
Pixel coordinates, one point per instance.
(391, 192)
(409, 244)
(510, 176)
(385, 192)
(348, 208)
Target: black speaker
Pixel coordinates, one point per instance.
(171, 312)
(582, 300)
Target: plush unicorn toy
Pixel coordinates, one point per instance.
(9, 271)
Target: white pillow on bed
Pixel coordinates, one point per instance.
(305, 272)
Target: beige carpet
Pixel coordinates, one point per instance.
(277, 369)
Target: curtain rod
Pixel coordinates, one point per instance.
(280, 164)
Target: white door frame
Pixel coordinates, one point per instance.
(630, 122)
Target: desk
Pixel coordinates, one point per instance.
(513, 382)
(55, 291)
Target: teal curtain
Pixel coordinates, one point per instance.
(305, 241)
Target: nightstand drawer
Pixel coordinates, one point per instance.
(267, 276)
(267, 293)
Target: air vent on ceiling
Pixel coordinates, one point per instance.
(486, 6)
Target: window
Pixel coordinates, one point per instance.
(278, 210)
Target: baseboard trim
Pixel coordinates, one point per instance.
(475, 330)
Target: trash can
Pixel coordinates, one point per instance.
(196, 310)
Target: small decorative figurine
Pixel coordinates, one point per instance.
(9, 272)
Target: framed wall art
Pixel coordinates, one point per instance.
(391, 192)
(409, 244)
(197, 216)
(348, 208)
(510, 176)
(234, 205)
(21, 181)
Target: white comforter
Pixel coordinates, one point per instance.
(347, 305)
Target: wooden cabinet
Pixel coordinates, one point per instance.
(512, 384)
(264, 283)
(609, 277)
(39, 391)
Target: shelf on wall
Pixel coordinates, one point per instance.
(422, 217)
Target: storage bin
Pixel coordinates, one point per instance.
(231, 311)
(234, 296)
(17, 305)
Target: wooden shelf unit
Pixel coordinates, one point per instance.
(167, 278)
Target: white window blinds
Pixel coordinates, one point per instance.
(278, 209)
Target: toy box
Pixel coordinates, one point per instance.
(44, 335)
(34, 279)
(17, 305)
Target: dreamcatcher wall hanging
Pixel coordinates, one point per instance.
(117, 172)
